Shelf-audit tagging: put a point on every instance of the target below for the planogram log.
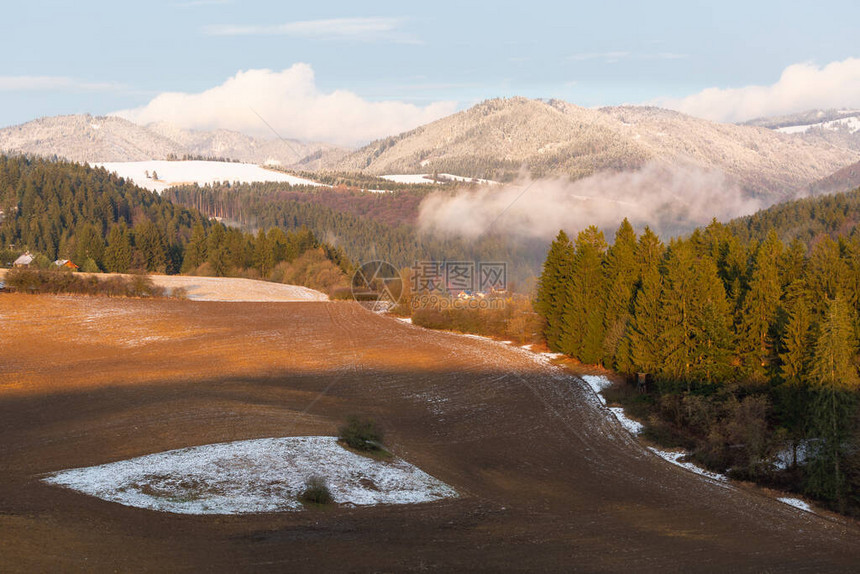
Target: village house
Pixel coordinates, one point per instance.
(24, 261)
(66, 263)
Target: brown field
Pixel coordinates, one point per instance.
(548, 481)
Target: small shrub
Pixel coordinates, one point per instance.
(361, 434)
(179, 293)
(316, 492)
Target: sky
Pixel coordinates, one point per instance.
(348, 72)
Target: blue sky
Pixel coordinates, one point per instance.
(100, 56)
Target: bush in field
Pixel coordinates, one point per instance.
(55, 281)
(316, 491)
(361, 434)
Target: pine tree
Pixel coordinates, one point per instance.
(758, 312)
(196, 250)
(553, 289)
(118, 253)
(149, 242)
(797, 339)
(264, 253)
(621, 275)
(582, 323)
(834, 380)
(696, 333)
(646, 348)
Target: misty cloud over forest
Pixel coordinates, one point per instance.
(670, 199)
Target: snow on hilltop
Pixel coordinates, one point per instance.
(86, 138)
(171, 173)
(251, 476)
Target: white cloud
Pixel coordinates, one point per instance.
(801, 87)
(53, 83)
(363, 29)
(290, 102)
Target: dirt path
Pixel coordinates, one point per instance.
(549, 481)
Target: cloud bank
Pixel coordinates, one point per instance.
(801, 87)
(256, 102)
(671, 199)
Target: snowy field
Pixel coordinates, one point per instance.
(172, 173)
(852, 124)
(252, 476)
(428, 178)
(236, 289)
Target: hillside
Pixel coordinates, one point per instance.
(840, 128)
(806, 219)
(496, 138)
(841, 180)
(86, 138)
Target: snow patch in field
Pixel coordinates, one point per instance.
(252, 476)
(675, 458)
(597, 383)
(631, 426)
(797, 503)
(171, 173)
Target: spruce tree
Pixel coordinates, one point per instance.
(582, 323)
(835, 381)
(554, 288)
(118, 253)
(620, 280)
(645, 345)
(758, 311)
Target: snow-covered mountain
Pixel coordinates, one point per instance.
(87, 138)
(497, 139)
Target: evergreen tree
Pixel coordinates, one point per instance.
(553, 289)
(834, 377)
(647, 326)
(696, 336)
(150, 244)
(118, 253)
(196, 252)
(759, 309)
(582, 323)
(621, 277)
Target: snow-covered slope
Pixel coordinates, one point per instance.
(496, 139)
(172, 173)
(86, 138)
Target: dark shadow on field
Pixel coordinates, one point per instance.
(549, 482)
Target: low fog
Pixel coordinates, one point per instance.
(671, 200)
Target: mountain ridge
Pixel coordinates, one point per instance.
(87, 138)
(496, 138)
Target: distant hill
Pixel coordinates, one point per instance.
(805, 219)
(840, 128)
(86, 138)
(497, 138)
(842, 180)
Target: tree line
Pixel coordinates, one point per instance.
(57, 209)
(366, 225)
(751, 345)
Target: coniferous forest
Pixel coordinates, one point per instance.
(57, 209)
(748, 344)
